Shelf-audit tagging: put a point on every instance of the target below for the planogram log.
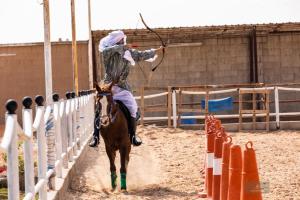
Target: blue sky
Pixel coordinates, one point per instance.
(21, 21)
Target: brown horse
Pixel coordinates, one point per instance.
(114, 131)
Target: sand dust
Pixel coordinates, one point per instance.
(168, 164)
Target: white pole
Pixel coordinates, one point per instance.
(28, 147)
(277, 107)
(41, 141)
(78, 124)
(58, 136)
(10, 145)
(90, 46)
(74, 125)
(69, 127)
(174, 108)
(64, 133)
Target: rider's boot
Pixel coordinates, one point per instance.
(95, 140)
(132, 130)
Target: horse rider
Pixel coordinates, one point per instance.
(118, 58)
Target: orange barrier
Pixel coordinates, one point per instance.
(225, 168)
(208, 164)
(228, 175)
(210, 138)
(217, 166)
(250, 180)
(235, 168)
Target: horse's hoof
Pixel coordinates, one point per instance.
(124, 191)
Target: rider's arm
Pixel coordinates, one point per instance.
(109, 51)
(142, 55)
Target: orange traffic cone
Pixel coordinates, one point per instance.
(218, 124)
(209, 163)
(225, 168)
(235, 168)
(217, 167)
(250, 179)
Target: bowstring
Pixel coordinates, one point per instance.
(138, 63)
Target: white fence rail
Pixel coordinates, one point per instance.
(174, 94)
(70, 121)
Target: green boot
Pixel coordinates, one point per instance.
(113, 177)
(123, 181)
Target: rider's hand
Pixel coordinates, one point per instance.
(129, 46)
(160, 49)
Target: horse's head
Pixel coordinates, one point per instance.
(107, 108)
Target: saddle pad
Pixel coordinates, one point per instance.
(215, 105)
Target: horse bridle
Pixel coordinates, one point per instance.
(111, 117)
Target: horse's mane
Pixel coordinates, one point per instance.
(103, 88)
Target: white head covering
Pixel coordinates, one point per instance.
(111, 39)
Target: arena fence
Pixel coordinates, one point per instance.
(62, 130)
(175, 108)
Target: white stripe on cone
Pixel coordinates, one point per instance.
(210, 160)
(217, 166)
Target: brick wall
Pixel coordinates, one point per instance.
(23, 74)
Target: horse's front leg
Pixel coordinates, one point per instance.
(112, 155)
(124, 154)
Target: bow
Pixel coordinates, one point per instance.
(162, 42)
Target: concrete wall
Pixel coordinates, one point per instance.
(23, 74)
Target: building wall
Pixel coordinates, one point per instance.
(222, 58)
(23, 74)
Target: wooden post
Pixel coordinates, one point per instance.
(169, 105)
(90, 50)
(74, 48)
(268, 110)
(206, 102)
(47, 53)
(179, 108)
(240, 110)
(174, 104)
(277, 107)
(142, 93)
(254, 109)
(49, 90)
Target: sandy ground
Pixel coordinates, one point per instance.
(168, 164)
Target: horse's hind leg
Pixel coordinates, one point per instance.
(112, 155)
(124, 154)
